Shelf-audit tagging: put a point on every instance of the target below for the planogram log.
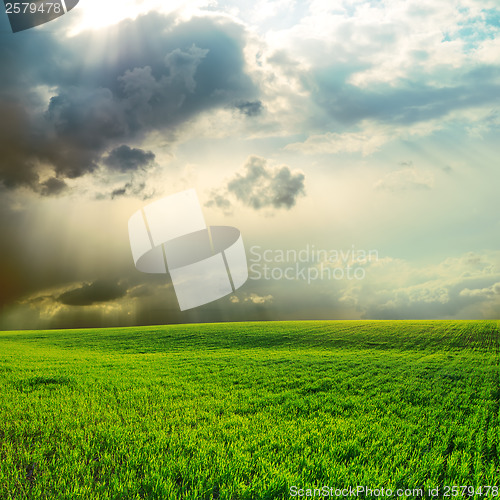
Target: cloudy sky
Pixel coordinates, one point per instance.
(354, 143)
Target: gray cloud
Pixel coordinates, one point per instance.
(220, 200)
(182, 66)
(52, 187)
(407, 103)
(132, 188)
(119, 192)
(250, 108)
(125, 159)
(132, 161)
(261, 186)
(162, 74)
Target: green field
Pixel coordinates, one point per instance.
(248, 410)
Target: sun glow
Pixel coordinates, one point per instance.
(96, 14)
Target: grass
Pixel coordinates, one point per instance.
(248, 410)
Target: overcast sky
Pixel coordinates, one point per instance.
(347, 127)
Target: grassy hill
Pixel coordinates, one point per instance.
(249, 410)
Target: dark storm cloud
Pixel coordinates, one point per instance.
(111, 87)
(125, 159)
(18, 161)
(133, 161)
(261, 186)
(96, 292)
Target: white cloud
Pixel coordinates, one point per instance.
(369, 137)
(486, 293)
(253, 298)
(394, 38)
(259, 299)
(332, 143)
(465, 286)
(405, 178)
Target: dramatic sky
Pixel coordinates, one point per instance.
(368, 130)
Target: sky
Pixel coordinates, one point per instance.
(353, 143)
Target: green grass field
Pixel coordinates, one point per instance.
(248, 410)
